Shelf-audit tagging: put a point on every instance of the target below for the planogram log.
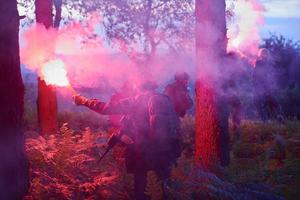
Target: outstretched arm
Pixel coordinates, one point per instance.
(92, 104)
(121, 107)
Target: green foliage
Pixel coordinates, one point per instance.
(289, 100)
(140, 27)
(284, 50)
(267, 153)
(285, 55)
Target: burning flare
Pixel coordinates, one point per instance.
(54, 73)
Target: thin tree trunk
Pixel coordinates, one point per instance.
(210, 47)
(14, 175)
(57, 19)
(150, 46)
(46, 102)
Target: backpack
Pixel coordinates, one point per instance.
(164, 126)
(155, 129)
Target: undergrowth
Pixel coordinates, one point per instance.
(65, 166)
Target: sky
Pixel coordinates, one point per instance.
(282, 16)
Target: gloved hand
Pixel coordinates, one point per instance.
(79, 100)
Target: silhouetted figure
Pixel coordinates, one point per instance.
(179, 93)
(264, 84)
(182, 102)
(152, 124)
(234, 106)
(228, 104)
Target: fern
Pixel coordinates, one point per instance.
(63, 166)
(154, 186)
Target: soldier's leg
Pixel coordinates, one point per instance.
(236, 120)
(164, 172)
(261, 107)
(140, 181)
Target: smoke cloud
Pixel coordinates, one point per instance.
(89, 60)
(244, 28)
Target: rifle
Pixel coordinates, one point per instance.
(113, 140)
(103, 155)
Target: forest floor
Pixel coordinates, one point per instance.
(65, 165)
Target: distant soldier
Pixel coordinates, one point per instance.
(151, 123)
(264, 84)
(233, 63)
(234, 103)
(179, 93)
(228, 104)
(182, 102)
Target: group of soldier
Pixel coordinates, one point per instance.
(148, 122)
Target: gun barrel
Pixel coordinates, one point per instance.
(111, 143)
(104, 154)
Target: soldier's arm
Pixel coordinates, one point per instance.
(92, 104)
(95, 105)
(121, 107)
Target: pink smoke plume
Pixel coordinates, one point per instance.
(243, 30)
(87, 57)
(78, 46)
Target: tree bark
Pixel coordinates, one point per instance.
(14, 174)
(46, 102)
(210, 48)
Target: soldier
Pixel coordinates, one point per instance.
(144, 123)
(126, 91)
(231, 91)
(264, 84)
(228, 103)
(178, 92)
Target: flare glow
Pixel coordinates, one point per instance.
(54, 73)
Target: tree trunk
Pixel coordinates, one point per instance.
(150, 46)
(14, 173)
(210, 48)
(57, 19)
(46, 102)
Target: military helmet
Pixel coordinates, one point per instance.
(180, 76)
(149, 85)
